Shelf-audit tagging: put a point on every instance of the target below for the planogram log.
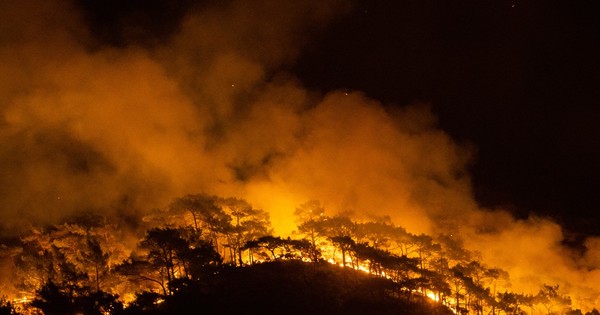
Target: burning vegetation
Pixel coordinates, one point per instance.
(194, 247)
(99, 124)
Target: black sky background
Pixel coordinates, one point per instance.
(518, 80)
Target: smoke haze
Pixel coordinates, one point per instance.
(120, 129)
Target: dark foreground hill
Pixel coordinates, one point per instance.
(292, 287)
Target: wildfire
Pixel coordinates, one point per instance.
(123, 130)
(232, 232)
(22, 300)
(432, 296)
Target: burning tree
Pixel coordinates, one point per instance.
(552, 301)
(170, 256)
(226, 223)
(164, 245)
(68, 266)
(246, 224)
(208, 219)
(309, 216)
(86, 248)
(278, 248)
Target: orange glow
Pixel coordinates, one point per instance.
(122, 132)
(432, 296)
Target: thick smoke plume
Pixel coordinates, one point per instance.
(86, 126)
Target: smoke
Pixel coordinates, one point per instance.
(86, 126)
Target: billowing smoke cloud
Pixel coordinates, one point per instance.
(110, 129)
(86, 126)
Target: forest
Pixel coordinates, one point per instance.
(219, 255)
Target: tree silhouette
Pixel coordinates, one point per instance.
(345, 244)
(309, 216)
(98, 258)
(275, 245)
(178, 263)
(163, 245)
(247, 224)
(7, 308)
(207, 216)
(142, 271)
(53, 300)
(551, 299)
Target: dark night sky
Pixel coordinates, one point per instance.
(517, 80)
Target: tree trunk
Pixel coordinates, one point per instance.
(97, 279)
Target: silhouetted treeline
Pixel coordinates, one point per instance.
(219, 255)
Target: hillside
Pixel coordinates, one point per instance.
(218, 255)
(293, 287)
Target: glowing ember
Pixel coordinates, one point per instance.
(432, 296)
